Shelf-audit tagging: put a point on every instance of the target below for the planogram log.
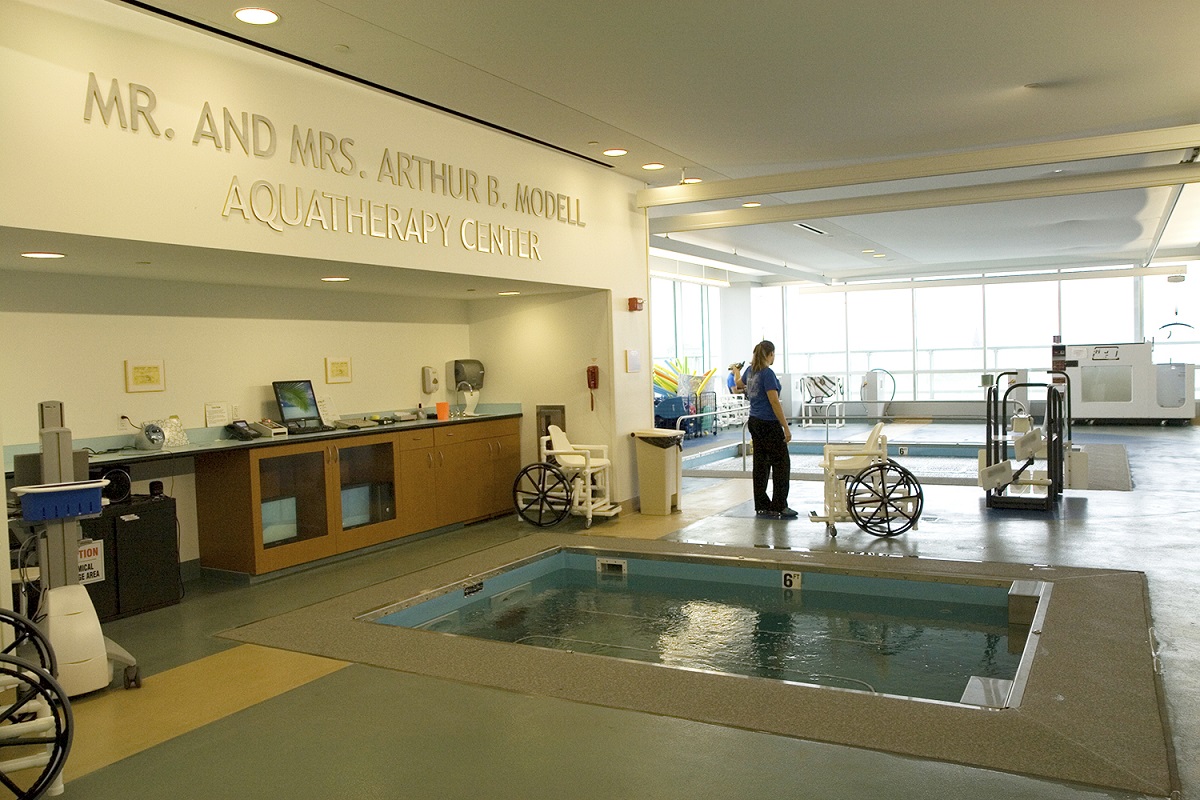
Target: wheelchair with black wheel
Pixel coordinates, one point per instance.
(568, 479)
(36, 724)
(864, 486)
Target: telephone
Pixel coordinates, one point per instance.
(242, 430)
(593, 382)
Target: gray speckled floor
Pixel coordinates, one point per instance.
(1090, 711)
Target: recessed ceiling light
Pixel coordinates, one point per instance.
(751, 204)
(42, 255)
(879, 255)
(690, 181)
(256, 16)
(868, 251)
(653, 165)
(335, 279)
(615, 151)
(507, 294)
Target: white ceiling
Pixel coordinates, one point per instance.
(742, 93)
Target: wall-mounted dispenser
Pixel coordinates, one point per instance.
(468, 379)
(466, 370)
(429, 380)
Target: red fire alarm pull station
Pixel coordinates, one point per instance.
(636, 304)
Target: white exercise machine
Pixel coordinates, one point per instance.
(86, 659)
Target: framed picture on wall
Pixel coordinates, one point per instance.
(338, 370)
(144, 376)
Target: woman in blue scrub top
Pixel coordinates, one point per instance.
(770, 434)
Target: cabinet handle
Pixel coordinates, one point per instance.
(441, 458)
(490, 450)
(430, 457)
(499, 448)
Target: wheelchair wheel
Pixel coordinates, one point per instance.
(36, 729)
(542, 495)
(28, 641)
(885, 499)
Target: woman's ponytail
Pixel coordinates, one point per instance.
(762, 351)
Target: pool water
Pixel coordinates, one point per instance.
(897, 637)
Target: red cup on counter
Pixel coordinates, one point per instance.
(443, 411)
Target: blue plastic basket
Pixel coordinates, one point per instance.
(60, 500)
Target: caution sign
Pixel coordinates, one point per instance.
(91, 561)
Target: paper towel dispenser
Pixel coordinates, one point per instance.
(467, 371)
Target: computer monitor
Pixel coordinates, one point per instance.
(297, 404)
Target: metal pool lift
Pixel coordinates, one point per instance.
(1029, 465)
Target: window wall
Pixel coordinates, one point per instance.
(1021, 323)
(816, 332)
(684, 322)
(947, 366)
(1098, 310)
(936, 341)
(1171, 316)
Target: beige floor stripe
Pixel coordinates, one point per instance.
(116, 724)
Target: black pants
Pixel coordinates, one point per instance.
(771, 463)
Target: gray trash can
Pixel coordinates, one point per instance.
(660, 469)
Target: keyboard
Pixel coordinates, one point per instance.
(299, 431)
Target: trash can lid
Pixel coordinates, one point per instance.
(660, 437)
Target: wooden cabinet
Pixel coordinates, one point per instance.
(485, 459)
(274, 506)
(267, 508)
(420, 469)
(366, 485)
(503, 463)
(458, 473)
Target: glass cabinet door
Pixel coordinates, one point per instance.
(367, 483)
(292, 491)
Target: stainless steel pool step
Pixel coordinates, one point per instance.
(986, 692)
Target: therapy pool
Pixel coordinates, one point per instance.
(961, 641)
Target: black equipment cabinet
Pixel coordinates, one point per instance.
(141, 557)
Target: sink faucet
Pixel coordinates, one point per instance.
(462, 409)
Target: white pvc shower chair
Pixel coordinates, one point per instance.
(568, 479)
(864, 486)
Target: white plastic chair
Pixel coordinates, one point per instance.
(587, 467)
(889, 498)
(851, 458)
